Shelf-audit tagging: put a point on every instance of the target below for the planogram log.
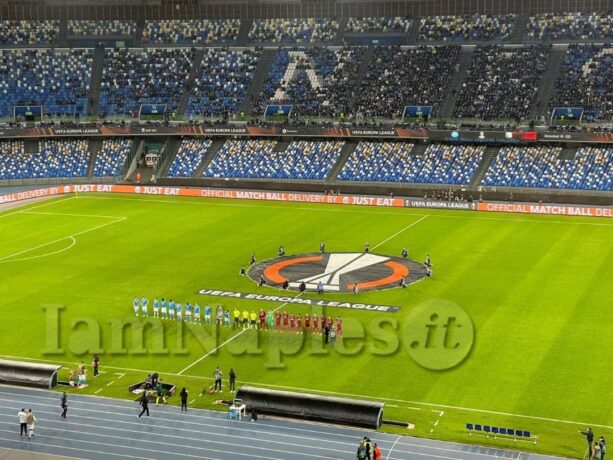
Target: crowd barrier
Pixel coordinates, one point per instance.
(365, 414)
(351, 200)
(28, 374)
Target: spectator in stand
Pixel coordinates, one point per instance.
(502, 83)
(131, 78)
(459, 28)
(378, 25)
(316, 81)
(101, 28)
(586, 81)
(309, 30)
(191, 31)
(56, 79)
(29, 32)
(573, 26)
(398, 77)
(222, 82)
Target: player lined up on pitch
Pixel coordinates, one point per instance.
(247, 319)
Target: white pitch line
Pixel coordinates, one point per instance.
(229, 340)
(53, 201)
(98, 391)
(399, 232)
(74, 242)
(64, 238)
(69, 214)
(367, 210)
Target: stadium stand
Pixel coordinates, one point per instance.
(222, 81)
(542, 167)
(53, 159)
(460, 28)
(502, 82)
(29, 32)
(586, 81)
(573, 26)
(191, 32)
(399, 77)
(108, 28)
(57, 80)
(378, 25)
(253, 159)
(151, 76)
(190, 155)
(393, 162)
(317, 81)
(112, 157)
(309, 30)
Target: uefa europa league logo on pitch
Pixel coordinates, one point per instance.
(439, 334)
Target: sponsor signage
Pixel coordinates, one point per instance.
(499, 137)
(299, 300)
(412, 203)
(547, 209)
(357, 200)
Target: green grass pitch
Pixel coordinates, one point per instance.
(538, 290)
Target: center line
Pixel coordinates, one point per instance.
(399, 232)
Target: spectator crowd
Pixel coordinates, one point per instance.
(102, 28)
(150, 76)
(378, 25)
(586, 81)
(469, 27)
(222, 81)
(573, 26)
(191, 31)
(398, 77)
(57, 80)
(298, 30)
(502, 83)
(316, 81)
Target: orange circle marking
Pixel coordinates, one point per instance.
(272, 272)
(398, 272)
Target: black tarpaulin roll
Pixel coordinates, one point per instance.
(366, 414)
(28, 374)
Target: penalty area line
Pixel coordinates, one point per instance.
(238, 334)
(69, 237)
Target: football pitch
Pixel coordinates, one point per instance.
(537, 290)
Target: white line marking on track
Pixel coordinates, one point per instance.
(392, 448)
(399, 232)
(336, 393)
(196, 418)
(159, 434)
(354, 211)
(238, 334)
